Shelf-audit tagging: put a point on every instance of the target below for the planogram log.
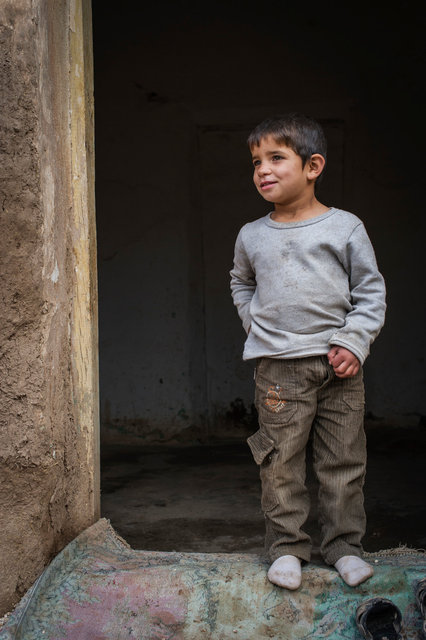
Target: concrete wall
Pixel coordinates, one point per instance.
(49, 482)
(177, 88)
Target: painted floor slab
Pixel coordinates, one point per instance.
(99, 588)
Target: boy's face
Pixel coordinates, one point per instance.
(278, 172)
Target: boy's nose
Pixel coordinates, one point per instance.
(263, 170)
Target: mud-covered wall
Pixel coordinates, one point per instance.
(177, 87)
(48, 479)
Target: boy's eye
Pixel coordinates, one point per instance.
(277, 157)
(256, 163)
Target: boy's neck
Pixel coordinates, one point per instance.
(296, 211)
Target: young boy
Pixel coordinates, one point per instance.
(311, 299)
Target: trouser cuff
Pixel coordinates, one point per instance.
(296, 550)
(339, 550)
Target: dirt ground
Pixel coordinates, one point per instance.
(207, 498)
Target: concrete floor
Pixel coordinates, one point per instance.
(207, 498)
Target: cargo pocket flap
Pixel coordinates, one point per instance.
(261, 446)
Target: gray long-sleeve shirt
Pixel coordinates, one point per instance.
(301, 287)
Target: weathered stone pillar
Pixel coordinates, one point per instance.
(49, 478)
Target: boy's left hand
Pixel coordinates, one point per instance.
(344, 362)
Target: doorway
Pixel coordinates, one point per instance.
(177, 89)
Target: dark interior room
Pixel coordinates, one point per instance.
(178, 87)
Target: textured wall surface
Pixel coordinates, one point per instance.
(47, 475)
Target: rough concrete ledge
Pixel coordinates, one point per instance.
(99, 587)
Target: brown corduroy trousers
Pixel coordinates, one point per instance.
(293, 397)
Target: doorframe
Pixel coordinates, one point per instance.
(84, 334)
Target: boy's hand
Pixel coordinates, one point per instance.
(344, 362)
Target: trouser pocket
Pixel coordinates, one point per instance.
(276, 391)
(264, 454)
(353, 392)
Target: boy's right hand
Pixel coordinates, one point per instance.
(344, 362)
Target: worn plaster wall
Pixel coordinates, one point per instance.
(48, 403)
(178, 86)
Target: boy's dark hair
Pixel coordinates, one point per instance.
(297, 131)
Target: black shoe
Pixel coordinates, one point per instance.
(379, 619)
(421, 601)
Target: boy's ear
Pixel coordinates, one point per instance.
(316, 164)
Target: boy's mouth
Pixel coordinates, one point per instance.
(266, 184)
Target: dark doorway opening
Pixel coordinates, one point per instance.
(177, 88)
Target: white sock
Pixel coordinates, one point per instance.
(286, 572)
(353, 570)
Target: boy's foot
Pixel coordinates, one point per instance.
(286, 572)
(353, 570)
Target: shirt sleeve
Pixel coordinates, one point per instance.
(243, 282)
(368, 297)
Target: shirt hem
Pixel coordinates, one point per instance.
(287, 356)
